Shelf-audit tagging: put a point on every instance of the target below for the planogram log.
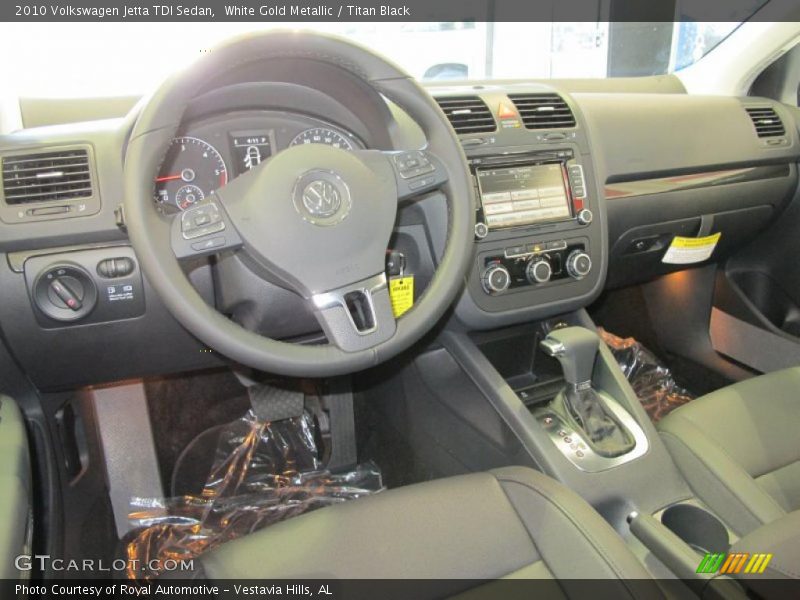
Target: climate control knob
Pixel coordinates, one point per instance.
(496, 279)
(538, 271)
(579, 264)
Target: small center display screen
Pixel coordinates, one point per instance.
(250, 149)
(523, 195)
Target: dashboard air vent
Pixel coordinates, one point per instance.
(467, 114)
(47, 177)
(543, 111)
(766, 121)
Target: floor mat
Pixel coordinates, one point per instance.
(652, 382)
(262, 473)
(216, 396)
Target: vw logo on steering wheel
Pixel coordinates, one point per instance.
(322, 197)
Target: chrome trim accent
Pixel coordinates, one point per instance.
(367, 287)
(553, 348)
(692, 181)
(578, 451)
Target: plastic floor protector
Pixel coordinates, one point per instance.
(261, 473)
(652, 382)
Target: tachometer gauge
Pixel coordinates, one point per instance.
(191, 171)
(323, 135)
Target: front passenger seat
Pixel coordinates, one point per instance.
(739, 449)
(508, 523)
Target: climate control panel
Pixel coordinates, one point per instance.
(534, 264)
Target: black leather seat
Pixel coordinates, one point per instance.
(739, 448)
(511, 522)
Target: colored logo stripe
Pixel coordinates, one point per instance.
(758, 564)
(731, 564)
(711, 563)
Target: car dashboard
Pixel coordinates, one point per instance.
(575, 193)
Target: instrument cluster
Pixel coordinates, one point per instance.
(208, 154)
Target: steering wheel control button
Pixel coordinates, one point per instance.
(209, 244)
(413, 164)
(322, 198)
(579, 264)
(201, 220)
(421, 183)
(496, 279)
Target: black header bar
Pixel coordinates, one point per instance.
(277, 11)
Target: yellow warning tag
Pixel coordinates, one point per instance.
(685, 251)
(401, 291)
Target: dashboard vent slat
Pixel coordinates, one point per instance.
(46, 177)
(766, 121)
(467, 114)
(543, 111)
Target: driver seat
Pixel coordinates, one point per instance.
(507, 523)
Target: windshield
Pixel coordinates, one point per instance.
(120, 59)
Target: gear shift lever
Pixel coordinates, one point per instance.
(576, 349)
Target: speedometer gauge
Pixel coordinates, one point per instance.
(323, 135)
(192, 170)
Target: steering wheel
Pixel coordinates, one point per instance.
(314, 218)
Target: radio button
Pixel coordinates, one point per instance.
(525, 195)
(498, 207)
(526, 204)
(481, 230)
(585, 216)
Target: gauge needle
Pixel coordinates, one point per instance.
(168, 178)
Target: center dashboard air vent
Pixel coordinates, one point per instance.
(766, 121)
(467, 114)
(48, 185)
(543, 111)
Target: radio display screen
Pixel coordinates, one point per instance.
(523, 195)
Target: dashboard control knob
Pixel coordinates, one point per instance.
(496, 279)
(585, 216)
(65, 292)
(538, 271)
(579, 264)
(481, 230)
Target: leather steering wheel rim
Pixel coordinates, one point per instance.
(148, 230)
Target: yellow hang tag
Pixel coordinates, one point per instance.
(685, 251)
(401, 291)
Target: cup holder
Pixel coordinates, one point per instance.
(697, 527)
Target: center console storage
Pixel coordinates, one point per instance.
(697, 527)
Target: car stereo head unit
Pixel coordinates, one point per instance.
(523, 194)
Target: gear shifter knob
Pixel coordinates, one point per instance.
(576, 350)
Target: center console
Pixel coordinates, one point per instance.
(540, 235)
